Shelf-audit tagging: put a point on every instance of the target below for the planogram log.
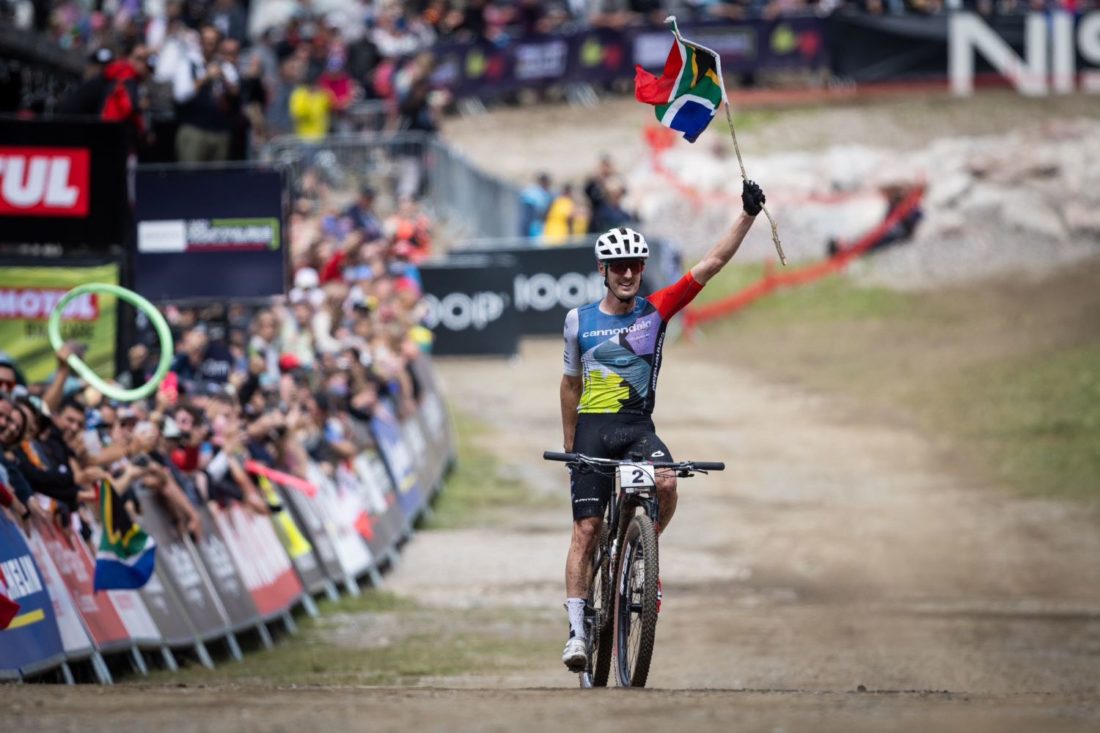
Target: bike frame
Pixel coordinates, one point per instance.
(622, 507)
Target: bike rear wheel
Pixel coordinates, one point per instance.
(636, 603)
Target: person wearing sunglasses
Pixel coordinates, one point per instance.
(608, 387)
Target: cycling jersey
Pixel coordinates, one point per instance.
(620, 355)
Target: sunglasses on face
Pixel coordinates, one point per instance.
(7, 385)
(619, 267)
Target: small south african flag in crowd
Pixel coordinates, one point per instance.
(689, 91)
(126, 556)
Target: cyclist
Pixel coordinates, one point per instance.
(612, 357)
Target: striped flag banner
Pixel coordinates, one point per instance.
(689, 91)
(126, 556)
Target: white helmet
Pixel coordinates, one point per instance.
(621, 243)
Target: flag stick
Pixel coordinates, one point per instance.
(775, 231)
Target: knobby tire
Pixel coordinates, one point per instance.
(636, 602)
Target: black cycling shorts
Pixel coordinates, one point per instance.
(609, 436)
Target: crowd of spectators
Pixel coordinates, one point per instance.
(288, 383)
(552, 216)
(212, 80)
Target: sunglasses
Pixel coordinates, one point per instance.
(621, 266)
(7, 385)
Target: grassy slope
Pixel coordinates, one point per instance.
(1005, 375)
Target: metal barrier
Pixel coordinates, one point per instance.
(467, 200)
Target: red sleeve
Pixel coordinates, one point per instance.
(5, 496)
(669, 301)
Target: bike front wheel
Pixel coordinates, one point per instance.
(636, 602)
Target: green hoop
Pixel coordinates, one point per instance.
(164, 335)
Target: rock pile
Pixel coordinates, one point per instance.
(1027, 201)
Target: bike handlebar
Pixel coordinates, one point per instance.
(551, 455)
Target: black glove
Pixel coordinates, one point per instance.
(752, 197)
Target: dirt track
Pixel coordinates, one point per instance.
(832, 555)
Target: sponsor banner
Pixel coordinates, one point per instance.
(261, 560)
(433, 407)
(339, 511)
(312, 520)
(378, 491)
(549, 281)
(469, 306)
(43, 181)
(173, 624)
(28, 296)
(178, 568)
(199, 229)
(235, 599)
(63, 182)
(137, 620)
(605, 55)
(75, 638)
(413, 435)
(77, 570)
(399, 461)
(292, 538)
(1036, 52)
(32, 641)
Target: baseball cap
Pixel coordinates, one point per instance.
(306, 278)
(288, 363)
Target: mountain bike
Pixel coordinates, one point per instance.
(620, 613)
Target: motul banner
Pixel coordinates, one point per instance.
(63, 182)
(28, 296)
(44, 181)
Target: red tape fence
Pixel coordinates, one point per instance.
(772, 281)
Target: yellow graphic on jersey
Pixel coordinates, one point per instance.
(603, 392)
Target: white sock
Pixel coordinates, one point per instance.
(575, 607)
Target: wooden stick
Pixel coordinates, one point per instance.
(744, 176)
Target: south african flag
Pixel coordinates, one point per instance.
(127, 556)
(689, 91)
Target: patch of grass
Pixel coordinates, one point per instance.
(1003, 376)
(371, 600)
(311, 658)
(833, 298)
(480, 487)
(1038, 420)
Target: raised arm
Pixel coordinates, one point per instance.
(752, 199)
